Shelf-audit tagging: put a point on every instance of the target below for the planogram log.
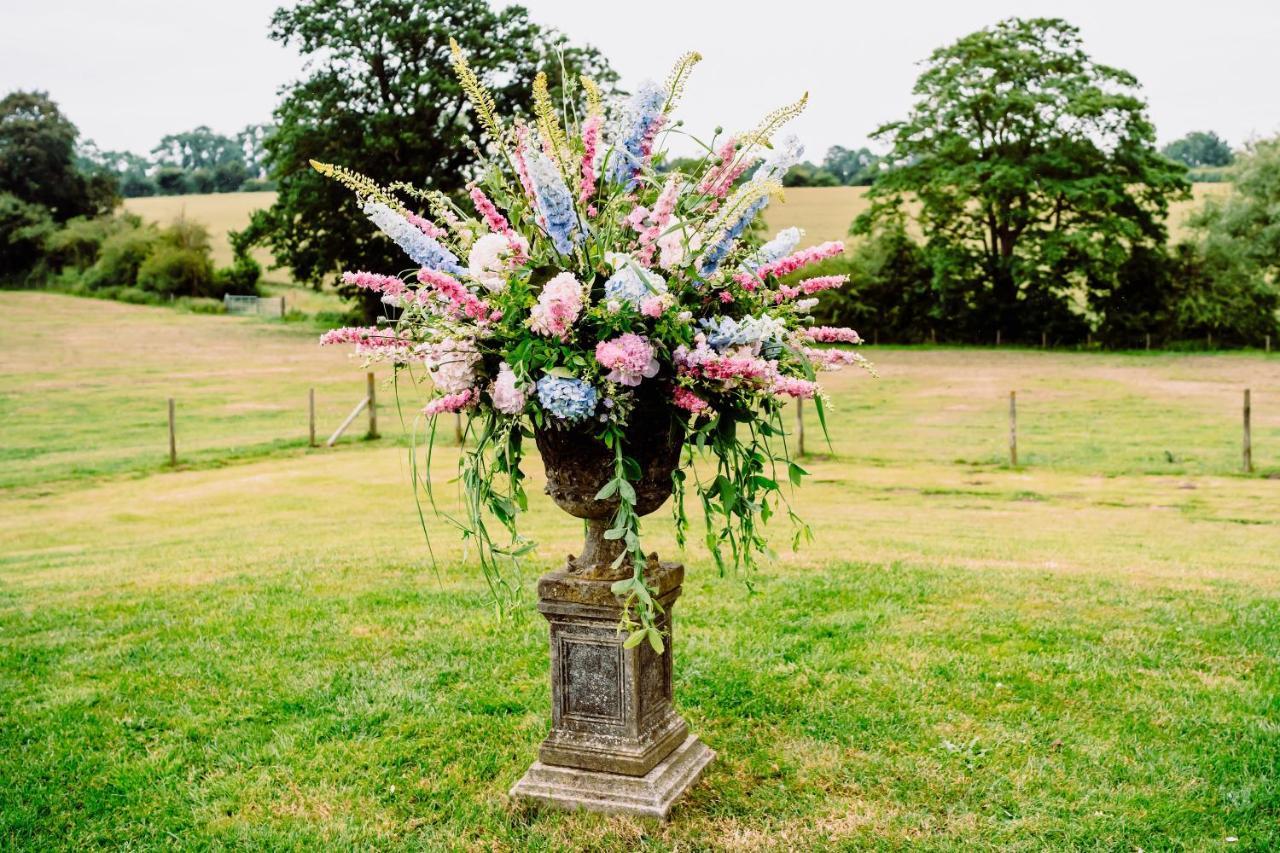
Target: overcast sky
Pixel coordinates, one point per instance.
(129, 71)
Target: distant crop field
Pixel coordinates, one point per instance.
(220, 212)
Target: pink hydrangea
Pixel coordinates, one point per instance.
(689, 401)
(833, 335)
(629, 358)
(452, 402)
(558, 307)
(506, 394)
(653, 306)
(452, 363)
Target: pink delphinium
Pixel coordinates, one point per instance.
(371, 341)
(832, 359)
(832, 335)
(720, 177)
(496, 222)
(629, 358)
(506, 394)
(689, 401)
(590, 141)
(810, 286)
(558, 307)
(464, 399)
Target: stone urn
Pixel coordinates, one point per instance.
(616, 743)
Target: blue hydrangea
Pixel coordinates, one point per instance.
(424, 249)
(725, 332)
(555, 202)
(567, 399)
(639, 120)
(632, 286)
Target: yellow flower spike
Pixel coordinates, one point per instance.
(481, 100)
(548, 122)
(594, 101)
(363, 186)
(770, 124)
(678, 77)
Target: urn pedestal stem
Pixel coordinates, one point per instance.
(616, 744)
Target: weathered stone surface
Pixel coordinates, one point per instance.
(650, 795)
(616, 741)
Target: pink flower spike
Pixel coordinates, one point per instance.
(462, 301)
(787, 386)
(426, 226)
(793, 262)
(832, 335)
(726, 297)
(496, 221)
(590, 141)
(388, 284)
(452, 402)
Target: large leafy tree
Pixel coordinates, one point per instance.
(1200, 148)
(1034, 169)
(381, 98)
(38, 160)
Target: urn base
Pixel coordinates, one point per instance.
(650, 795)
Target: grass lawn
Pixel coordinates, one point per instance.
(1079, 653)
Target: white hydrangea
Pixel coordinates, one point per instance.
(489, 260)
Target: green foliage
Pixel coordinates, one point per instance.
(120, 256)
(79, 242)
(1200, 148)
(171, 270)
(1034, 168)
(24, 228)
(808, 175)
(372, 66)
(38, 162)
(891, 288)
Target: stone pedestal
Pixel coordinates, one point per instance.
(616, 742)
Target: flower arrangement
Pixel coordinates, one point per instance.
(576, 273)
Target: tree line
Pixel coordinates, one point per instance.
(194, 161)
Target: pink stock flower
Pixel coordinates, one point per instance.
(496, 221)
(832, 359)
(372, 341)
(689, 401)
(810, 286)
(792, 262)
(629, 358)
(426, 226)
(789, 386)
(833, 335)
(590, 141)
(637, 216)
(726, 297)
(452, 402)
(731, 369)
(558, 307)
(386, 284)
(462, 301)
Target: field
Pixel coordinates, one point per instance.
(254, 650)
(823, 212)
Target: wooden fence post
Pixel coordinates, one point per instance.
(373, 407)
(1044, 340)
(311, 417)
(173, 438)
(800, 426)
(1013, 429)
(1248, 435)
(997, 337)
(458, 435)
(1148, 341)
(1268, 344)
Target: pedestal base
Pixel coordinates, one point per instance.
(650, 795)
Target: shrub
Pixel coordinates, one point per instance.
(175, 271)
(79, 243)
(120, 257)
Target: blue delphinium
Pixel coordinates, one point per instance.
(423, 248)
(779, 247)
(633, 286)
(639, 122)
(555, 202)
(567, 399)
(710, 260)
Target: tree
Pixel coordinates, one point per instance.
(381, 98)
(853, 167)
(38, 163)
(808, 175)
(1200, 148)
(1034, 168)
(197, 149)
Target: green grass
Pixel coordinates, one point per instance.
(1080, 653)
